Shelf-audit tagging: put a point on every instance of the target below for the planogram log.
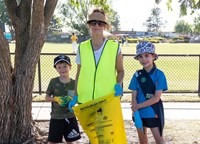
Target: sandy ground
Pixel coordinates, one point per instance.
(175, 132)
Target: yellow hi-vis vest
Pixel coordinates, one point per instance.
(96, 80)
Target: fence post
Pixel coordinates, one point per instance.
(199, 79)
(39, 78)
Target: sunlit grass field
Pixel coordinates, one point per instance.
(168, 48)
(182, 72)
(161, 48)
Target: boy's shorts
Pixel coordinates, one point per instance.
(63, 127)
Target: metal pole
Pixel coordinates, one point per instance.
(39, 78)
(199, 79)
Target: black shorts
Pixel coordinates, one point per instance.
(149, 122)
(63, 127)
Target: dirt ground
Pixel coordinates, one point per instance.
(175, 132)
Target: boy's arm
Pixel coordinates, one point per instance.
(71, 38)
(49, 98)
(154, 99)
(134, 101)
(62, 101)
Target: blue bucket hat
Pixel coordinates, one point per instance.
(145, 47)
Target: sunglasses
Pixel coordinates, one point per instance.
(99, 23)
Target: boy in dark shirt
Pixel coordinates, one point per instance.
(60, 92)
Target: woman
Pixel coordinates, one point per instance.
(99, 63)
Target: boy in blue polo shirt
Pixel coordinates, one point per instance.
(147, 86)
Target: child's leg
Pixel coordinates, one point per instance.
(72, 132)
(156, 134)
(142, 135)
(55, 131)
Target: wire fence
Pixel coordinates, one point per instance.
(182, 71)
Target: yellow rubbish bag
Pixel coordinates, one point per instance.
(102, 120)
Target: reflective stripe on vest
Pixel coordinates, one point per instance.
(98, 80)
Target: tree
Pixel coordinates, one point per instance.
(154, 23)
(30, 19)
(114, 18)
(55, 24)
(98, 3)
(197, 24)
(184, 5)
(4, 18)
(76, 17)
(182, 27)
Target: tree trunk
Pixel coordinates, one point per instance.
(30, 20)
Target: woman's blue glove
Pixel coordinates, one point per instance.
(118, 90)
(138, 121)
(72, 103)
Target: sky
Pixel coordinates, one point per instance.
(134, 13)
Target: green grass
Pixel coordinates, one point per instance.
(182, 72)
(168, 48)
(52, 48)
(161, 48)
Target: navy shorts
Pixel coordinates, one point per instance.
(63, 127)
(149, 122)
